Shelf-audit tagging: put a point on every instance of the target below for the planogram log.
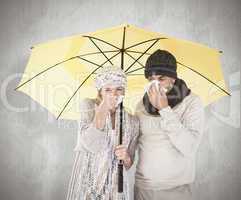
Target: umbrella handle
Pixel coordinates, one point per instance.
(120, 177)
(120, 163)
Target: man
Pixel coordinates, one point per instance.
(171, 123)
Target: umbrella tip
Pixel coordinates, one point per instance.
(16, 88)
(126, 25)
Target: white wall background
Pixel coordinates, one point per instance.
(36, 151)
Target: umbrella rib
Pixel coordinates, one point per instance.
(77, 90)
(134, 59)
(134, 74)
(100, 50)
(142, 54)
(99, 66)
(88, 54)
(130, 51)
(135, 70)
(145, 42)
(191, 70)
(38, 74)
(205, 78)
(123, 48)
(124, 38)
(90, 61)
(101, 41)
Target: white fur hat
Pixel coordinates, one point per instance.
(110, 75)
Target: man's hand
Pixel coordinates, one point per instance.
(157, 97)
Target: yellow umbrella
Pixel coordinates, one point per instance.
(61, 72)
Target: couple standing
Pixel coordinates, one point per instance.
(166, 130)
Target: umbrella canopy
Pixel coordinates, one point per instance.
(61, 72)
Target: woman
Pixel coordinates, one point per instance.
(94, 175)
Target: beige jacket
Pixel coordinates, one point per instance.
(168, 144)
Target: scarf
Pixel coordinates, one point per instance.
(174, 96)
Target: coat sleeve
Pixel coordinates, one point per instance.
(135, 127)
(89, 138)
(185, 135)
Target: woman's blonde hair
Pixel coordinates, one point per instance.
(98, 98)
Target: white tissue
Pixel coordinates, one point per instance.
(119, 100)
(156, 83)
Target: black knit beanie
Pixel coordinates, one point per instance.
(161, 62)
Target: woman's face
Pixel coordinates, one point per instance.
(110, 90)
(111, 93)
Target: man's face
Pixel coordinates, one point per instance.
(165, 81)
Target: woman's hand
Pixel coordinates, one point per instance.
(101, 111)
(121, 153)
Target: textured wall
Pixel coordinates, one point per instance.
(36, 151)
